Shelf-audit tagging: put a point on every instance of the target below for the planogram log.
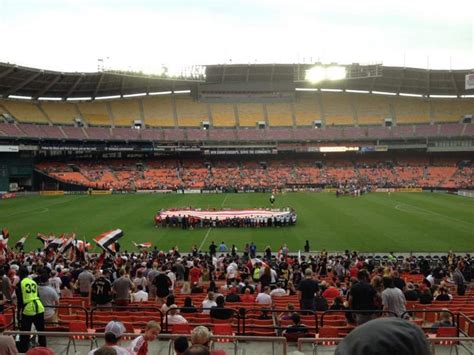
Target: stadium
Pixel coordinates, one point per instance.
(208, 202)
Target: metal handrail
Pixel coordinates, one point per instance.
(160, 336)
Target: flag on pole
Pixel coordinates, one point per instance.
(107, 240)
(145, 245)
(21, 243)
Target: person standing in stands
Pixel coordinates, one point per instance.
(362, 297)
(30, 309)
(306, 291)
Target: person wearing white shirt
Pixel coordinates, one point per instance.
(232, 271)
(173, 317)
(264, 297)
(278, 292)
(208, 303)
(140, 295)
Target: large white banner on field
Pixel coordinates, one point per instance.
(223, 214)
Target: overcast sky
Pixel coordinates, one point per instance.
(70, 35)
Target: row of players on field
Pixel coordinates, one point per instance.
(352, 190)
(191, 222)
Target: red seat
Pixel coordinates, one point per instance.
(181, 329)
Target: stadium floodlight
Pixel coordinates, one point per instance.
(322, 73)
(316, 74)
(335, 73)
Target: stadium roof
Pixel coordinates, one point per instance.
(22, 81)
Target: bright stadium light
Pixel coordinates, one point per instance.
(321, 73)
(315, 74)
(335, 73)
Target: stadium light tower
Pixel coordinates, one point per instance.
(320, 73)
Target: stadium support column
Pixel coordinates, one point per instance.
(293, 115)
(236, 115)
(175, 113)
(321, 108)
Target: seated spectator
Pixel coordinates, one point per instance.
(208, 303)
(186, 289)
(426, 297)
(169, 301)
(139, 345)
(443, 321)
(247, 297)
(104, 351)
(291, 289)
(287, 315)
(180, 345)
(337, 304)
(197, 288)
(113, 334)
(443, 295)
(278, 291)
(140, 295)
(188, 306)
(232, 296)
(219, 311)
(385, 336)
(264, 298)
(173, 317)
(410, 293)
(296, 327)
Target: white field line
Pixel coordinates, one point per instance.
(428, 212)
(209, 230)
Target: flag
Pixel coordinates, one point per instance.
(5, 233)
(67, 244)
(20, 243)
(107, 240)
(257, 260)
(45, 239)
(299, 256)
(145, 245)
(83, 246)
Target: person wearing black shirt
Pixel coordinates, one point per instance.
(188, 306)
(410, 293)
(306, 290)
(219, 312)
(212, 249)
(232, 296)
(162, 284)
(362, 298)
(296, 327)
(101, 291)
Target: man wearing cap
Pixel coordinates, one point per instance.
(30, 308)
(113, 333)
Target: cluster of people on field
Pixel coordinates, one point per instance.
(348, 282)
(253, 221)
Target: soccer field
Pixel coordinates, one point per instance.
(375, 222)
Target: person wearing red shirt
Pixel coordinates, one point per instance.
(194, 274)
(139, 345)
(247, 297)
(331, 292)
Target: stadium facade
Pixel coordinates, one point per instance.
(255, 120)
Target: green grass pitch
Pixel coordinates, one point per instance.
(377, 222)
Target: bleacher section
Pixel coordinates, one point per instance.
(250, 114)
(337, 109)
(158, 111)
(125, 112)
(190, 113)
(415, 172)
(279, 115)
(371, 110)
(410, 110)
(95, 113)
(223, 115)
(24, 111)
(60, 112)
(307, 109)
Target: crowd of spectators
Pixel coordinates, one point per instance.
(243, 175)
(350, 281)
